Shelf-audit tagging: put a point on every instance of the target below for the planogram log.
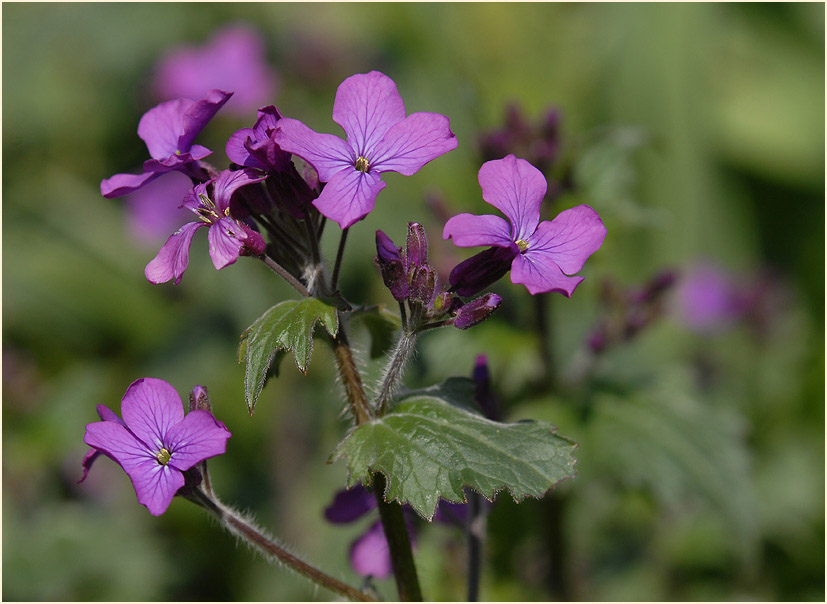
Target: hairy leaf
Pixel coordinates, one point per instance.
(430, 447)
(287, 326)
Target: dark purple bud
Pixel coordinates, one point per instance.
(597, 340)
(199, 399)
(254, 244)
(515, 120)
(473, 275)
(477, 311)
(423, 284)
(350, 505)
(385, 248)
(417, 250)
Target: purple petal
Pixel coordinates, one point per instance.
(328, 154)
(349, 196)
(367, 106)
(107, 415)
(569, 239)
(412, 143)
(161, 127)
(237, 151)
(516, 188)
(369, 555)
(150, 408)
(197, 437)
(174, 255)
(468, 230)
(226, 239)
(538, 272)
(350, 505)
(87, 462)
(123, 184)
(198, 114)
(228, 182)
(155, 485)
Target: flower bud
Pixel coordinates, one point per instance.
(482, 393)
(477, 311)
(423, 284)
(417, 250)
(254, 244)
(471, 276)
(385, 248)
(199, 399)
(389, 261)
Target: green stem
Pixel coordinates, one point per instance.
(405, 346)
(235, 524)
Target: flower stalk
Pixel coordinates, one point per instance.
(402, 352)
(238, 526)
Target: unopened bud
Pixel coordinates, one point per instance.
(482, 393)
(471, 276)
(417, 250)
(423, 284)
(389, 261)
(477, 310)
(199, 399)
(441, 304)
(254, 244)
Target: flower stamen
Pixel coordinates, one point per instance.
(163, 456)
(522, 244)
(362, 164)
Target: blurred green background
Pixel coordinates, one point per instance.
(695, 130)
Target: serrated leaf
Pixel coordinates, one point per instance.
(287, 326)
(429, 448)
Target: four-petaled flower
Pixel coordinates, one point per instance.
(379, 139)
(254, 147)
(155, 443)
(228, 237)
(544, 253)
(169, 131)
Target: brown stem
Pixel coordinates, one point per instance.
(282, 272)
(238, 526)
(351, 377)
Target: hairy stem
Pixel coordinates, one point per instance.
(390, 513)
(405, 346)
(399, 543)
(236, 525)
(282, 272)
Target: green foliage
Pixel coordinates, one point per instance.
(431, 445)
(287, 326)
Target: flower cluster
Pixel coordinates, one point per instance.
(412, 281)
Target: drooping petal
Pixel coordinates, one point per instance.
(412, 143)
(228, 182)
(87, 462)
(569, 239)
(516, 188)
(155, 485)
(469, 230)
(350, 505)
(162, 126)
(123, 184)
(367, 105)
(174, 256)
(197, 114)
(538, 272)
(107, 415)
(369, 555)
(226, 240)
(328, 154)
(349, 196)
(197, 437)
(150, 408)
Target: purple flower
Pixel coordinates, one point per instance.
(228, 237)
(379, 139)
(233, 59)
(169, 131)
(708, 298)
(255, 148)
(154, 443)
(549, 251)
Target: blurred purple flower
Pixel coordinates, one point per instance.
(228, 237)
(548, 251)
(155, 443)
(379, 139)
(233, 59)
(154, 210)
(708, 298)
(169, 131)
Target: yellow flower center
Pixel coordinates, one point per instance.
(362, 164)
(522, 244)
(163, 456)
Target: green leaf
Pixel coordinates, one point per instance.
(287, 326)
(383, 326)
(430, 447)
